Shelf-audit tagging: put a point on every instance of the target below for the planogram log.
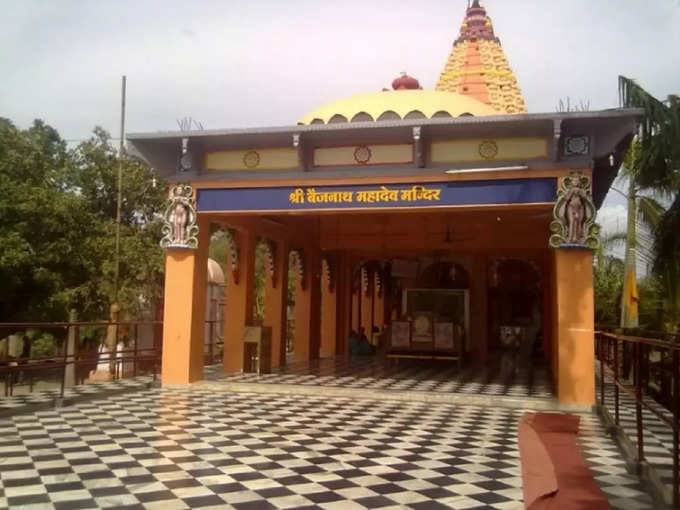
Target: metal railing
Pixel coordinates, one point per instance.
(130, 361)
(647, 370)
(73, 353)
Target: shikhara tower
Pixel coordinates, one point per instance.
(477, 66)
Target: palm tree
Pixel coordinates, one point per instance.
(643, 210)
(657, 165)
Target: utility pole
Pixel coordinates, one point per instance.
(120, 190)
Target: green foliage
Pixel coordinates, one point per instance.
(651, 304)
(57, 227)
(608, 282)
(654, 161)
(218, 252)
(43, 344)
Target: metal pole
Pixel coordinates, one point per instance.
(120, 190)
(65, 360)
(676, 427)
(616, 380)
(212, 340)
(600, 341)
(638, 400)
(136, 331)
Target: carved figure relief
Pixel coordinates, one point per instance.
(297, 259)
(270, 259)
(180, 229)
(233, 253)
(574, 214)
(327, 271)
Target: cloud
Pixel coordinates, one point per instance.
(612, 218)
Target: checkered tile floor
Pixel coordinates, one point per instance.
(40, 398)
(189, 448)
(497, 377)
(657, 435)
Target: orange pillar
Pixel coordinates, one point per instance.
(343, 304)
(308, 307)
(184, 313)
(479, 326)
(575, 326)
(367, 304)
(239, 301)
(275, 305)
(356, 311)
(379, 305)
(328, 309)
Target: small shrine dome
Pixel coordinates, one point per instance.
(214, 273)
(406, 101)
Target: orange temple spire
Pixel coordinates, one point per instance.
(477, 66)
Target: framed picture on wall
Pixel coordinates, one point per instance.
(423, 327)
(443, 336)
(401, 334)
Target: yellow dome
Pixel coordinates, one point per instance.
(396, 105)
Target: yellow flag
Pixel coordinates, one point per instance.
(630, 300)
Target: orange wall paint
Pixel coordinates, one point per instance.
(308, 307)
(239, 302)
(275, 305)
(328, 320)
(367, 305)
(575, 326)
(379, 310)
(479, 327)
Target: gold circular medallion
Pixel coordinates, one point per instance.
(488, 149)
(362, 154)
(251, 159)
(421, 325)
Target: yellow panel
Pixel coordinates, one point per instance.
(252, 159)
(363, 155)
(479, 149)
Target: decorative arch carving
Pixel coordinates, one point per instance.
(364, 278)
(269, 247)
(298, 260)
(233, 248)
(378, 282)
(328, 272)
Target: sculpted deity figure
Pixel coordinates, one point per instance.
(574, 213)
(179, 223)
(575, 216)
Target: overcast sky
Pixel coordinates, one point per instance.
(243, 63)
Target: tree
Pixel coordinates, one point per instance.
(57, 221)
(643, 209)
(607, 278)
(44, 231)
(658, 164)
(92, 173)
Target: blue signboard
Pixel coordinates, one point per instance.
(376, 196)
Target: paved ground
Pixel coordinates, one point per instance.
(181, 448)
(27, 401)
(497, 377)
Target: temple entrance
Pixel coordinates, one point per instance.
(515, 307)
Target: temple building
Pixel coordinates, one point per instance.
(444, 223)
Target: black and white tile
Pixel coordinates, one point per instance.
(191, 448)
(89, 390)
(657, 435)
(493, 378)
